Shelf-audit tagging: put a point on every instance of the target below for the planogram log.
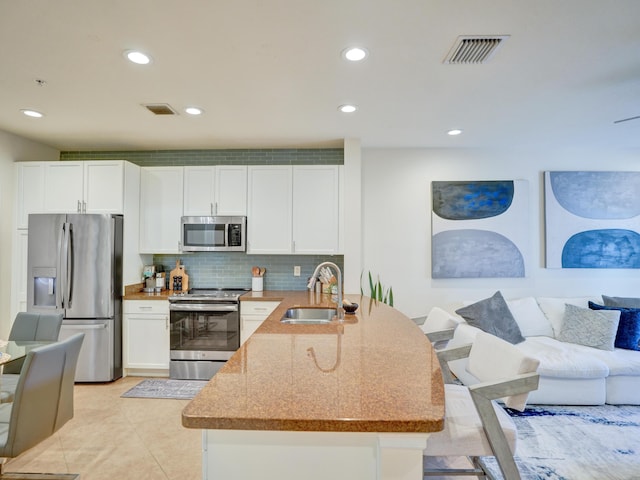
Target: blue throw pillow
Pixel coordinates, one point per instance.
(628, 335)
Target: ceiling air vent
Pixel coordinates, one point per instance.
(160, 109)
(468, 49)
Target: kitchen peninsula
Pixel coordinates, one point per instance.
(352, 400)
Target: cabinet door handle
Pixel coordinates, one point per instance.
(84, 207)
(144, 308)
(79, 209)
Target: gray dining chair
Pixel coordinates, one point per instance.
(475, 425)
(43, 402)
(29, 327)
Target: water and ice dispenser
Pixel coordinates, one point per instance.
(44, 287)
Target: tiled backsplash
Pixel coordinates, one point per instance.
(233, 269)
(275, 156)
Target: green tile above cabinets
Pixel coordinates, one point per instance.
(265, 156)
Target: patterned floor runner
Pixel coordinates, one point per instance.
(165, 388)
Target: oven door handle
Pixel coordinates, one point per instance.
(202, 307)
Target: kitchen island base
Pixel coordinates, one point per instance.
(287, 455)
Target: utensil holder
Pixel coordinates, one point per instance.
(257, 284)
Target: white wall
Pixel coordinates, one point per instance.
(12, 149)
(397, 223)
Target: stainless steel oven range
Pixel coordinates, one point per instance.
(204, 331)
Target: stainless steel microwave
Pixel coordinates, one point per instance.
(214, 234)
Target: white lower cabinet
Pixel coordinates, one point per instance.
(252, 314)
(146, 337)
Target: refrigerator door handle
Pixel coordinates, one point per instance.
(65, 266)
(62, 264)
(70, 265)
(101, 326)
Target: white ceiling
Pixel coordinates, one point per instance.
(269, 73)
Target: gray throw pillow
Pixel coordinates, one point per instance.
(621, 302)
(591, 328)
(493, 316)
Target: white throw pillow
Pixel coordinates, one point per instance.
(493, 359)
(553, 308)
(529, 317)
(439, 319)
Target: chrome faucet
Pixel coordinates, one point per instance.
(312, 282)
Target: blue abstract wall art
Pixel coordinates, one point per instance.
(479, 229)
(475, 254)
(611, 248)
(471, 200)
(592, 219)
(598, 195)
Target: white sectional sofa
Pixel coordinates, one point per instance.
(571, 373)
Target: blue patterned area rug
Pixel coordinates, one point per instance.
(577, 443)
(165, 388)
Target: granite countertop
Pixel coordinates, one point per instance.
(134, 292)
(376, 372)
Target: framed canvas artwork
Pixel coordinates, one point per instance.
(592, 219)
(479, 228)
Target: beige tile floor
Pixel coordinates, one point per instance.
(118, 438)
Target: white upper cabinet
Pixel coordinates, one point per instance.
(84, 187)
(63, 187)
(231, 190)
(104, 187)
(294, 209)
(269, 209)
(199, 198)
(29, 191)
(215, 190)
(161, 197)
(71, 187)
(316, 206)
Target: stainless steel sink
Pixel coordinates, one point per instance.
(308, 316)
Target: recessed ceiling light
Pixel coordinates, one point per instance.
(137, 57)
(453, 132)
(194, 110)
(347, 108)
(355, 54)
(32, 113)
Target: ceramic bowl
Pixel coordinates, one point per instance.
(350, 308)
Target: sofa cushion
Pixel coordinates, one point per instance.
(564, 360)
(529, 317)
(624, 302)
(553, 308)
(620, 361)
(493, 316)
(628, 334)
(591, 328)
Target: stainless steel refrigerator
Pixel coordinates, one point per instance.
(75, 267)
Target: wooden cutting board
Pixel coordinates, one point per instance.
(179, 273)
